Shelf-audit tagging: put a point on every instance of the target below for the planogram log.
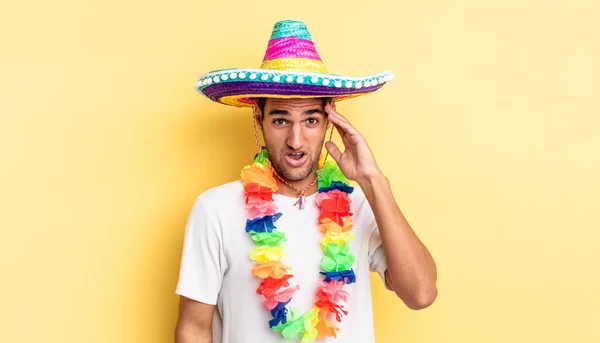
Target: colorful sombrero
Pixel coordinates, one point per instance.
(291, 68)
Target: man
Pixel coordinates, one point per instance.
(285, 253)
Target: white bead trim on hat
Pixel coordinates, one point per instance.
(326, 80)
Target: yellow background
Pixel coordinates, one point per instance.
(490, 136)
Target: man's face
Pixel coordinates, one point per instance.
(294, 132)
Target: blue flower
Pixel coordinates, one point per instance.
(343, 275)
(339, 185)
(279, 314)
(262, 224)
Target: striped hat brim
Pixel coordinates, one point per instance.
(239, 87)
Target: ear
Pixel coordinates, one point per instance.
(257, 116)
(332, 102)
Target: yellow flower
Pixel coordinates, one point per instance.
(267, 254)
(310, 326)
(335, 237)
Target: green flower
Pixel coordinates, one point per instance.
(295, 325)
(272, 239)
(337, 257)
(262, 156)
(331, 172)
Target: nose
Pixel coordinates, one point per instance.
(294, 139)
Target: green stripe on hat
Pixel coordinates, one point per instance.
(286, 28)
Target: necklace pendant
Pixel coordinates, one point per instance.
(300, 202)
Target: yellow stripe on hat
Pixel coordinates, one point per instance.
(233, 100)
(295, 64)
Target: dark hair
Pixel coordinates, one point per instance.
(261, 102)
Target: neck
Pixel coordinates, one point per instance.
(291, 192)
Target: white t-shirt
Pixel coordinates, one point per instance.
(216, 268)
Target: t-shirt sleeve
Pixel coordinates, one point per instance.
(376, 254)
(203, 262)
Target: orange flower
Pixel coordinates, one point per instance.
(275, 270)
(329, 225)
(259, 174)
(325, 328)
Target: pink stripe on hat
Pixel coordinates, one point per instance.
(294, 47)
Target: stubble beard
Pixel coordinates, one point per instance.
(279, 165)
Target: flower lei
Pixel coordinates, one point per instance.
(334, 221)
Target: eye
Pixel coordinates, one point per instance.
(279, 121)
(312, 121)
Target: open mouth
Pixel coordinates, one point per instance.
(296, 159)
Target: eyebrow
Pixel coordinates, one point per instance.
(287, 113)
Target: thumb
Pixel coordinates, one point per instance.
(334, 151)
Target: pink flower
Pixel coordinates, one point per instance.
(258, 207)
(334, 291)
(334, 195)
(272, 297)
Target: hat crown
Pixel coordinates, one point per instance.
(291, 68)
(291, 48)
(286, 28)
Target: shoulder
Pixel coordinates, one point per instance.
(222, 199)
(225, 192)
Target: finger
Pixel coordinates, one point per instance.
(349, 133)
(345, 129)
(341, 131)
(338, 119)
(332, 110)
(334, 151)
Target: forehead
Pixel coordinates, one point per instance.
(293, 104)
